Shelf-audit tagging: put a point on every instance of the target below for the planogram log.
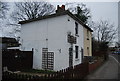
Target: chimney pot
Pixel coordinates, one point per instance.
(63, 7)
(60, 9)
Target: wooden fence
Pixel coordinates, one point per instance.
(76, 72)
(17, 60)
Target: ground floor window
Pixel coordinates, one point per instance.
(70, 56)
(76, 51)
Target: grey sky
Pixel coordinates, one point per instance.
(105, 11)
(101, 11)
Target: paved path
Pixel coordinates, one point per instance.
(109, 70)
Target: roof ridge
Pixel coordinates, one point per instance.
(55, 15)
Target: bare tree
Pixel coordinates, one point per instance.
(80, 10)
(30, 10)
(3, 9)
(117, 44)
(7, 26)
(103, 34)
(104, 31)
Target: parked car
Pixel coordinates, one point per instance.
(116, 52)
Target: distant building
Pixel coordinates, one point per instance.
(7, 42)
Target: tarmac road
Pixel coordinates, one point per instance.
(116, 56)
(110, 70)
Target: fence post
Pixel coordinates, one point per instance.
(32, 49)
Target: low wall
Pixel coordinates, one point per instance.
(94, 65)
(71, 73)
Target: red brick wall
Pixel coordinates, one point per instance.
(94, 66)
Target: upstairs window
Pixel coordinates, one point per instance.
(76, 28)
(76, 50)
(88, 51)
(87, 35)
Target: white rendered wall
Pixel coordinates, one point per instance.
(34, 35)
(57, 40)
(71, 28)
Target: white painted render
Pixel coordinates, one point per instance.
(34, 35)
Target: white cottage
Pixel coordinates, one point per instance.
(57, 40)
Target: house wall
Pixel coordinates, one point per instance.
(87, 42)
(71, 28)
(57, 41)
(33, 35)
(52, 34)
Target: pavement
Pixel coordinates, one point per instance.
(110, 70)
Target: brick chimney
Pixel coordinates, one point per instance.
(60, 9)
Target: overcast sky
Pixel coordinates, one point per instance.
(101, 11)
(105, 11)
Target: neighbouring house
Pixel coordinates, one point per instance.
(58, 40)
(8, 42)
(87, 42)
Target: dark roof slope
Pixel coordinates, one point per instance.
(55, 15)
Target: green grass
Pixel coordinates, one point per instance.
(38, 71)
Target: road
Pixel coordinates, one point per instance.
(109, 70)
(117, 57)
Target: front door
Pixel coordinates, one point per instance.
(70, 56)
(82, 56)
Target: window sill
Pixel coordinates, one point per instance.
(77, 35)
(76, 59)
(87, 38)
